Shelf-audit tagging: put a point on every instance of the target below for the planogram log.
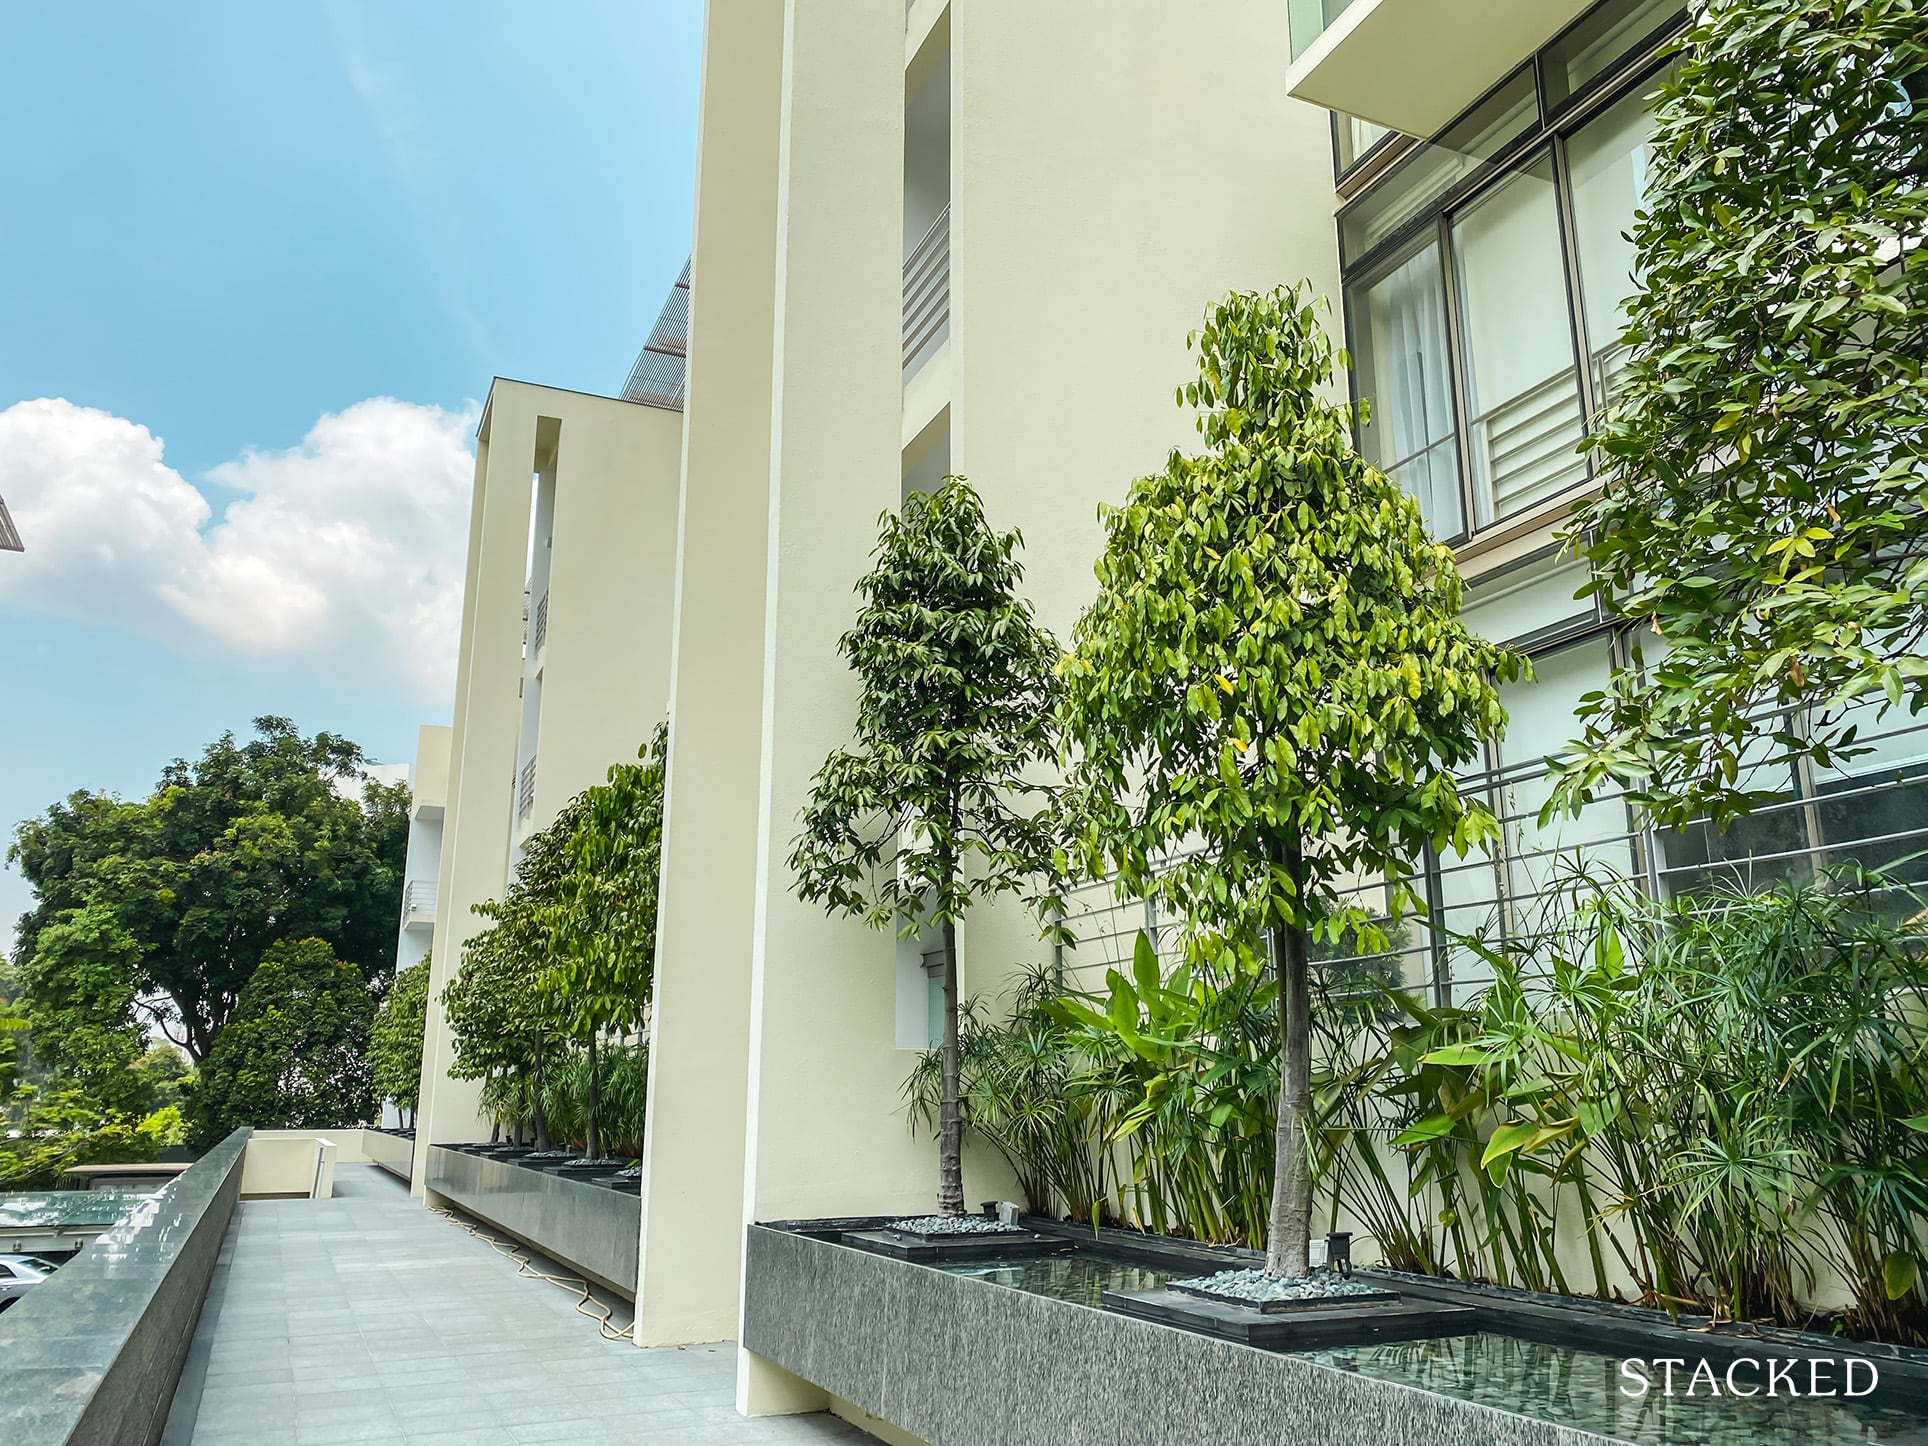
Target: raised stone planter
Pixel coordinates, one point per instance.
(590, 1229)
(960, 1361)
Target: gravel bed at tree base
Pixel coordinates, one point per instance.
(931, 1225)
(1259, 1288)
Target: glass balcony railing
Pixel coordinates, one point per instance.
(1309, 19)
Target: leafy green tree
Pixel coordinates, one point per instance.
(1766, 506)
(163, 1074)
(79, 984)
(504, 1028)
(400, 1027)
(1274, 678)
(252, 844)
(54, 1129)
(601, 923)
(295, 1055)
(928, 814)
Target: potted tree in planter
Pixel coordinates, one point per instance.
(927, 814)
(602, 921)
(1274, 670)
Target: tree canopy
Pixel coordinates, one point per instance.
(937, 806)
(396, 1040)
(251, 844)
(1266, 701)
(295, 1055)
(1766, 504)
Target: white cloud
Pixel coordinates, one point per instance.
(344, 554)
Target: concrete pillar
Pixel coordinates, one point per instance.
(824, 1134)
(690, 1261)
(481, 800)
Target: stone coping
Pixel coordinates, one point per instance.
(93, 1354)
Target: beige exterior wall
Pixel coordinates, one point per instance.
(607, 473)
(691, 1249)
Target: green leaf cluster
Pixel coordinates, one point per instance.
(169, 903)
(295, 1055)
(1766, 505)
(1274, 661)
(396, 1039)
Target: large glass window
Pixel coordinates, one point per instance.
(1609, 164)
(1523, 414)
(1404, 378)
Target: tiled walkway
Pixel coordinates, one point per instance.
(365, 1318)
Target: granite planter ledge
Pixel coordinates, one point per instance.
(590, 1228)
(393, 1150)
(1004, 1352)
(93, 1355)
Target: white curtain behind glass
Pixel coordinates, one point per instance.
(1611, 164)
(1403, 375)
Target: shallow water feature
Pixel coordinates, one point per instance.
(1583, 1388)
(1081, 1278)
(1553, 1383)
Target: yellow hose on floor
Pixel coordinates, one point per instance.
(513, 1250)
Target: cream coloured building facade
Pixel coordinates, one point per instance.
(564, 658)
(970, 236)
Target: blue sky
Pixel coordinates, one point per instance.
(228, 229)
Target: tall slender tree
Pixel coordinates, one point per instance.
(1274, 686)
(937, 806)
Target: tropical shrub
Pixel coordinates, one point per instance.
(51, 1131)
(622, 1087)
(1721, 1103)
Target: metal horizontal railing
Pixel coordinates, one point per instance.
(525, 803)
(418, 898)
(927, 292)
(1865, 811)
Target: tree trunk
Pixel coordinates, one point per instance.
(1289, 1235)
(542, 1120)
(950, 1127)
(592, 1136)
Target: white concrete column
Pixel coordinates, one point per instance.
(825, 1135)
(481, 800)
(690, 1261)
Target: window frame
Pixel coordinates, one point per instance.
(1548, 138)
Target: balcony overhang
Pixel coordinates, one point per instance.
(1415, 64)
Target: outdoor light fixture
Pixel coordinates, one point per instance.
(1338, 1252)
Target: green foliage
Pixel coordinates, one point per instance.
(936, 807)
(600, 925)
(1268, 698)
(400, 1027)
(50, 1131)
(295, 1055)
(622, 1084)
(162, 1074)
(250, 845)
(503, 1028)
(1766, 511)
(79, 984)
